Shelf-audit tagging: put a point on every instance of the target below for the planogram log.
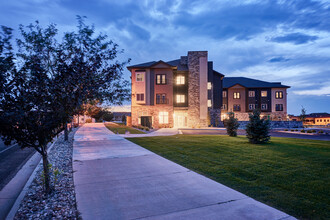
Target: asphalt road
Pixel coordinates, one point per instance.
(242, 132)
(12, 158)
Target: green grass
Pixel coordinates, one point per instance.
(120, 128)
(292, 175)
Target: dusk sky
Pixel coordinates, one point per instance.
(276, 41)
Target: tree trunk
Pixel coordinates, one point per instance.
(78, 120)
(46, 171)
(66, 136)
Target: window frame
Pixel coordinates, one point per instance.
(162, 78)
(139, 73)
(263, 95)
(224, 106)
(238, 107)
(178, 98)
(236, 95)
(209, 103)
(180, 80)
(264, 108)
(224, 94)
(279, 107)
(278, 96)
(163, 117)
(140, 97)
(253, 92)
(254, 107)
(162, 98)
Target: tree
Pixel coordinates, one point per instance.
(257, 130)
(303, 114)
(123, 118)
(46, 82)
(231, 124)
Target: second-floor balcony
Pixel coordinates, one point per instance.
(162, 101)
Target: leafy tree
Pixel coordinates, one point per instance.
(46, 82)
(257, 130)
(303, 114)
(231, 124)
(107, 116)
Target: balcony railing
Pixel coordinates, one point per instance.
(161, 101)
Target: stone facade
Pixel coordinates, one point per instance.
(215, 117)
(194, 106)
(152, 110)
(244, 116)
(276, 124)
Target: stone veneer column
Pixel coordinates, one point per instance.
(195, 97)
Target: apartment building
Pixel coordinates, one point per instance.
(186, 92)
(242, 95)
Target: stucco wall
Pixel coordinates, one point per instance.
(241, 101)
(279, 101)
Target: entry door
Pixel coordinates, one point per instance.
(180, 121)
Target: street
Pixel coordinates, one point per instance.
(12, 158)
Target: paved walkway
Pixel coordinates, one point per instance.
(117, 179)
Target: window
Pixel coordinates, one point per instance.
(224, 94)
(263, 93)
(279, 95)
(252, 106)
(237, 95)
(180, 80)
(180, 98)
(140, 97)
(161, 79)
(161, 99)
(252, 94)
(209, 103)
(209, 86)
(237, 107)
(263, 106)
(224, 106)
(140, 77)
(279, 107)
(163, 117)
(317, 120)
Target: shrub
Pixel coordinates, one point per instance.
(89, 120)
(313, 131)
(296, 129)
(302, 131)
(320, 132)
(309, 131)
(231, 125)
(147, 129)
(257, 130)
(285, 129)
(292, 130)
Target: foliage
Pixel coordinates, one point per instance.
(257, 130)
(231, 124)
(107, 115)
(45, 83)
(303, 114)
(277, 174)
(123, 119)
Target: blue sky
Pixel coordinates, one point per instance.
(286, 41)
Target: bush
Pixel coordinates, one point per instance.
(320, 132)
(292, 130)
(296, 129)
(309, 131)
(147, 129)
(257, 130)
(89, 120)
(231, 125)
(313, 131)
(302, 131)
(285, 129)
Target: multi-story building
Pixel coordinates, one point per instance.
(188, 92)
(242, 95)
(180, 93)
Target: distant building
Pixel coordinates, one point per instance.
(118, 116)
(313, 119)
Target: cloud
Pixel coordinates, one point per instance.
(278, 59)
(296, 38)
(323, 91)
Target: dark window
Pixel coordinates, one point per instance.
(161, 99)
(237, 95)
(252, 106)
(140, 97)
(224, 106)
(279, 107)
(237, 108)
(263, 106)
(279, 95)
(252, 94)
(161, 79)
(224, 94)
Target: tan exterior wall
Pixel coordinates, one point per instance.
(232, 101)
(322, 121)
(279, 101)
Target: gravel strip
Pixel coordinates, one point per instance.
(61, 203)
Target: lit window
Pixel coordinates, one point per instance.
(180, 98)
(163, 117)
(161, 79)
(140, 97)
(263, 106)
(279, 95)
(252, 94)
(209, 86)
(252, 106)
(180, 80)
(140, 77)
(224, 94)
(237, 95)
(237, 108)
(263, 93)
(209, 103)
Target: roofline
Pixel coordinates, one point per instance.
(149, 66)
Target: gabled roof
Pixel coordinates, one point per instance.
(150, 64)
(218, 73)
(250, 83)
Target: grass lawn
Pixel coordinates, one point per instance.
(120, 128)
(292, 175)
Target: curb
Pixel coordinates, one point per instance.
(21, 196)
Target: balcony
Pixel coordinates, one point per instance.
(162, 101)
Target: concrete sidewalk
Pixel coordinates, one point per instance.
(117, 179)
